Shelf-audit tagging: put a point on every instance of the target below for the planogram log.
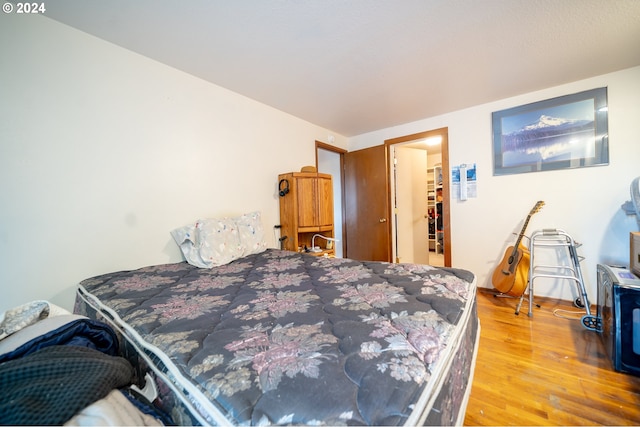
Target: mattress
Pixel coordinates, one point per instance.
(286, 338)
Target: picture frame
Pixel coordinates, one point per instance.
(566, 132)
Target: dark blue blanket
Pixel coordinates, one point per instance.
(80, 333)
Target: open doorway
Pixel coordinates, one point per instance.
(330, 160)
(420, 198)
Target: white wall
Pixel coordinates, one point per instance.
(103, 152)
(584, 202)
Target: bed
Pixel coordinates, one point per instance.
(278, 337)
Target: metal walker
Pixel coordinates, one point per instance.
(557, 238)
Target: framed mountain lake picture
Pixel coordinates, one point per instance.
(570, 131)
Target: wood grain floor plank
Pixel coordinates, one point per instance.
(545, 370)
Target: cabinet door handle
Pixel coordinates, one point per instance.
(383, 219)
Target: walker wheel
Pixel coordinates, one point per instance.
(593, 323)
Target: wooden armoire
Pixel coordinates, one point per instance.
(306, 209)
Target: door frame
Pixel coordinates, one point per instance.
(446, 192)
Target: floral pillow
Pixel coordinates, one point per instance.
(185, 237)
(251, 233)
(218, 241)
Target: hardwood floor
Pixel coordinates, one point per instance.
(545, 370)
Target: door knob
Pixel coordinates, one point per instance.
(383, 220)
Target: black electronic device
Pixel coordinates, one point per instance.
(619, 315)
(283, 190)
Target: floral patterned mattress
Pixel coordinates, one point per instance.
(285, 338)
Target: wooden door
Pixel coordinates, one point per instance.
(367, 210)
(307, 200)
(325, 200)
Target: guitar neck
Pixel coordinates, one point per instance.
(524, 227)
(512, 260)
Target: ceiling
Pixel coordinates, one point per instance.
(361, 65)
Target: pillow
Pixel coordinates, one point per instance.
(218, 241)
(251, 233)
(185, 237)
(20, 317)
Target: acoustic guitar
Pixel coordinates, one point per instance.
(512, 274)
